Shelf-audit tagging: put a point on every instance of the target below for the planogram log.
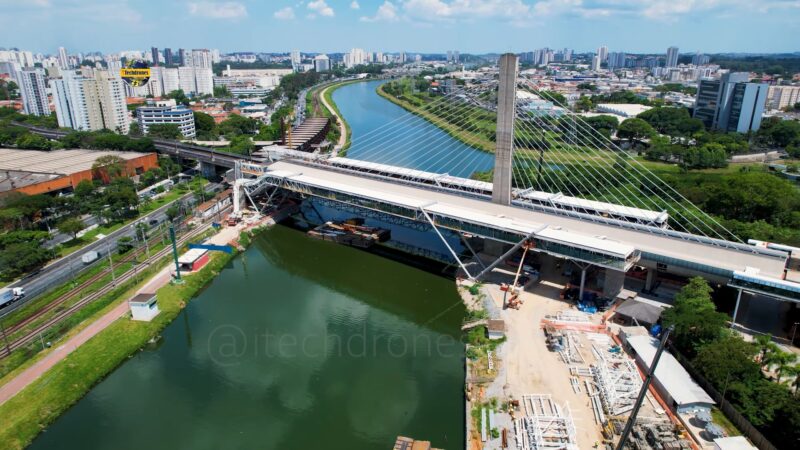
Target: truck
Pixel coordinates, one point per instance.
(10, 295)
(89, 257)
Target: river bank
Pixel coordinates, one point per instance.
(471, 139)
(88, 360)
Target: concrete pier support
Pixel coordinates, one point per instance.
(650, 280)
(583, 283)
(506, 108)
(613, 283)
(736, 309)
(208, 170)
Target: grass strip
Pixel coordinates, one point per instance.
(41, 402)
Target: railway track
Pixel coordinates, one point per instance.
(22, 341)
(75, 291)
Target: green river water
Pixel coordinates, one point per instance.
(297, 344)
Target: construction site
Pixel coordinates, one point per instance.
(564, 375)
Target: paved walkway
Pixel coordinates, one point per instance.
(33, 372)
(339, 121)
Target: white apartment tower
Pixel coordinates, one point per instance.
(672, 57)
(34, 92)
(602, 53)
(63, 59)
(85, 103)
(322, 63)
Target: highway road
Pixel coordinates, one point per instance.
(61, 270)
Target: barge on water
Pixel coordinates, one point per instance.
(350, 232)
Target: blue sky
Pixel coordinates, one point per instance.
(475, 26)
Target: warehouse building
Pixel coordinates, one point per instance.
(672, 381)
(34, 172)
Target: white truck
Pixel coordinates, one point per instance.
(89, 257)
(10, 295)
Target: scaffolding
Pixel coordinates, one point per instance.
(617, 380)
(546, 425)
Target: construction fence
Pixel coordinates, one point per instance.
(725, 406)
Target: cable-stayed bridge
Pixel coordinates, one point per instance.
(557, 184)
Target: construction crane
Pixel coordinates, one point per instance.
(512, 293)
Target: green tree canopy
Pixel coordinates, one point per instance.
(694, 316)
(635, 129)
(164, 131)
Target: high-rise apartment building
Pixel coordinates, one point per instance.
(170, 80)
(731, 103)
(596, 63)
(154, 55)
(700, 59)
(199, 58)
(672, 57)
(356, 57)
(322, 63)
(616, 60)
(168, 56)
(63, 59)
(602, 53)
(295, 58)
(91, 103)
(780, 97)
(181, 56)
(34, 92)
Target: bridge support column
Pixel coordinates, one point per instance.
(650, 280)
(583, 284)
(736, 309)
(613, 283)
(208, 170)
(506, 109)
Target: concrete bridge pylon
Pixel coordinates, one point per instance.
(504, 139)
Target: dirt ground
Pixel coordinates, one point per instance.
(530, 368)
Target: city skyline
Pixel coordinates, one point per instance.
(425, 26)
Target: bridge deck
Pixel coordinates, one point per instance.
(727, 259)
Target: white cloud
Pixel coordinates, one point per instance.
(431, 10)
(387, 12)
(355, 5)
(221, 10)
(321, 8)
(284, 13)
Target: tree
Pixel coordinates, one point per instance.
(635, 129)
(584, 103)
(71, 226)
(780, 360)
(694, 316)
(236, 124)
(241, 145)
(605, 124)
(726, 359)
(109, 167)
(221, 92)
(124, 244)
(172, 212)
(121, 198)
(179, 96)
(164, 131)
(21, 257)
(765, 346)
(205, 126)
(134, 130)
(33, 142)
